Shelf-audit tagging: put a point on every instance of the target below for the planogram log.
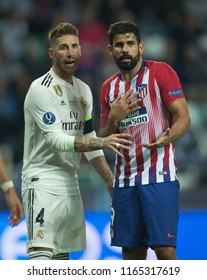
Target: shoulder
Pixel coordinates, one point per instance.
(81, 88)
(39, 87)
(80, 83)
(159, 66)
(42, 82)
(110, 80)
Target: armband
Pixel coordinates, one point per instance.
(7, 185)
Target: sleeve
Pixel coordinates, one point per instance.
(93, 154)
(168, 83)
(42, 107)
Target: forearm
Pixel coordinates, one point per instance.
(101, 166)
(182, 120)
(180, 127)
(4, 176)
(103, 169)
(5, 182)
(87, 144)
(177, 130)
(109, 128)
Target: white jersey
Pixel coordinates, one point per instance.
(55, 112)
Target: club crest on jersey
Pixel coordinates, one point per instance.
(142, 89)
(175, 92)
(58, 90)
(40, 234)
(49, 118)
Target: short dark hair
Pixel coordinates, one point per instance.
(64, 28)
(123, 27)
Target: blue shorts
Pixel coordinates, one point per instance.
(145, 215)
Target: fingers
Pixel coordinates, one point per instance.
(121, 140)
(118, 141)
(128, 95)
(152, 146)
(117, 98)
(13, 220)
(15, 217)
(117, 152)
(117, 145)
(129, 100)
(163, 141)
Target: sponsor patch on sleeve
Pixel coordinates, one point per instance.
(175, 92)
(49, 118)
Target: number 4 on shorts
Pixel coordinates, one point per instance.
(40, 217)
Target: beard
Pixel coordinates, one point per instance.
(127, 66)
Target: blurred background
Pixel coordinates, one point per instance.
(174, 31)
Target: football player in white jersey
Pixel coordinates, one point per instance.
(58, 128)
(12, 199)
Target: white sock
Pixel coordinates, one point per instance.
(40, 255)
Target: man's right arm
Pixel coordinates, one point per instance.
(108, 128)
(120, 109)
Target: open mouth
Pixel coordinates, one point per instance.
(125, 59)
(70, 63)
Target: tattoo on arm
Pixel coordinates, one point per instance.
(85, 144)
(103, 169)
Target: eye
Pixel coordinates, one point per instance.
(119, 45)
(63, 47)
(131, 43)
(75, 46)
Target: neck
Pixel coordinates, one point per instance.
(127, 76)
(64, 76)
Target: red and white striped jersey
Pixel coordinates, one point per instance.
(158, 86)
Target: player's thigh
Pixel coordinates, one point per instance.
(71, 231)
(160, 208)
(54, 221)
(126, 220)
(41, 216)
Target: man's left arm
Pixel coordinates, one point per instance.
(180, 126)
(101, 166)
(182, 120)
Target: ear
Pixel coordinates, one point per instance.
(110, 49)
(141, 47)
(51, 53)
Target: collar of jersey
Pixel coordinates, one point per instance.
(61, 81)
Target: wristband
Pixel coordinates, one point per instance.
(7, 185)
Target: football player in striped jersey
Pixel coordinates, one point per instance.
(145, 99)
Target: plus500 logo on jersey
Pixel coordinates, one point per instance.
(49, 118)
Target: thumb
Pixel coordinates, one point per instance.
(167, 131)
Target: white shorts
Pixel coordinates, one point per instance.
(54, 221)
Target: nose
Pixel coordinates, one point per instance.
(124, 52)
(125, 49)
(70, 51)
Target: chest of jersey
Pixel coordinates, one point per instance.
(70, 109)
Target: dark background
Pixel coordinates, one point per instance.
(174, 31)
